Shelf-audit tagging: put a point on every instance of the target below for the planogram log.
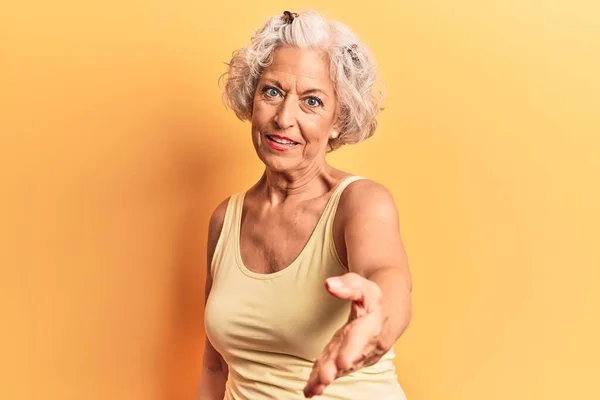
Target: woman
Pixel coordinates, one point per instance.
(308, 285)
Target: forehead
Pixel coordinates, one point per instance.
(304, 66)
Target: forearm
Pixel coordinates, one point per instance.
(396, 302)
(212, 384)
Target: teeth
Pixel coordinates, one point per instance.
(281, 141)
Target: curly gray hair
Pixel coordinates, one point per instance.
(352, 66)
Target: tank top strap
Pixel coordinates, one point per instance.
(237, 206)
(332, 204)
(228, 231)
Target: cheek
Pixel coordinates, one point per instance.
(261, 111)
(318, 130)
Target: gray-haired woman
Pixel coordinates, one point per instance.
(308, 285)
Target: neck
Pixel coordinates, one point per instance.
(279, 186)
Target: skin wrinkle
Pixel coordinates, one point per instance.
(296, 71)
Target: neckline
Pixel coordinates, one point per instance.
(293, 264)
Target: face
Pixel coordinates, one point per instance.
(294, 110)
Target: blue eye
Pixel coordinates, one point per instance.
(314, 101)
(270, 91)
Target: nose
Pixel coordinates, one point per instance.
(286, 114)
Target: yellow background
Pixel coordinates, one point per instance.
(115, 148)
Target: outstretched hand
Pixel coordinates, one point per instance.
(357, 343)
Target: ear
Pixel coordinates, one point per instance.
(335, 128)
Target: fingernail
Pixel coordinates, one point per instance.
(334, 283)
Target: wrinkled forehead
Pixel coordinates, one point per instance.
(301, 66)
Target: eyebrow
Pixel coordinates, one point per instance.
(280, 86)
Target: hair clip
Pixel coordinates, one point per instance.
(288, 17)
(353, 51)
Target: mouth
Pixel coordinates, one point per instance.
(280, 143)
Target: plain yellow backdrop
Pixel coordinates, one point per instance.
(115, 147)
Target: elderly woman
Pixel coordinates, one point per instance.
(308, 285)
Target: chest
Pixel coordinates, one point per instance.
(271, 240)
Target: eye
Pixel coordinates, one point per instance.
(314, 101)
(270, 91)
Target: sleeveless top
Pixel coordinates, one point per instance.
(271, 328)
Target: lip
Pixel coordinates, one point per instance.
(283, 137)
(277, 146)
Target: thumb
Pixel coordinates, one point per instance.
(356, 288)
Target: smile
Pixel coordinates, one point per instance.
(278, 143)
(281, 141)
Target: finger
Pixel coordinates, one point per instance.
(346, 293)
(316, 391)
(328, 372)
(326, 355)
(355, 347)
(350, 279)
(324, 369)
(349, 286)
(356, 288)
(323, 377)
(313, 378)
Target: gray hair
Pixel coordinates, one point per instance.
(352, 67)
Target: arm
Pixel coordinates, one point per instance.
(378, 284)
(214, 368)
(375, 251)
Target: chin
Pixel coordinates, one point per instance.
(272, 160)
(275, 163)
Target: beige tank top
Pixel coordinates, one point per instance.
(270, 328)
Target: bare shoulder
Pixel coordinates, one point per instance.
(369, 228)
(367, 199)
(218, 216)
(215, 225)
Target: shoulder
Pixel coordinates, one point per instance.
(215, 225)
(367, 199)
(218, 215)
